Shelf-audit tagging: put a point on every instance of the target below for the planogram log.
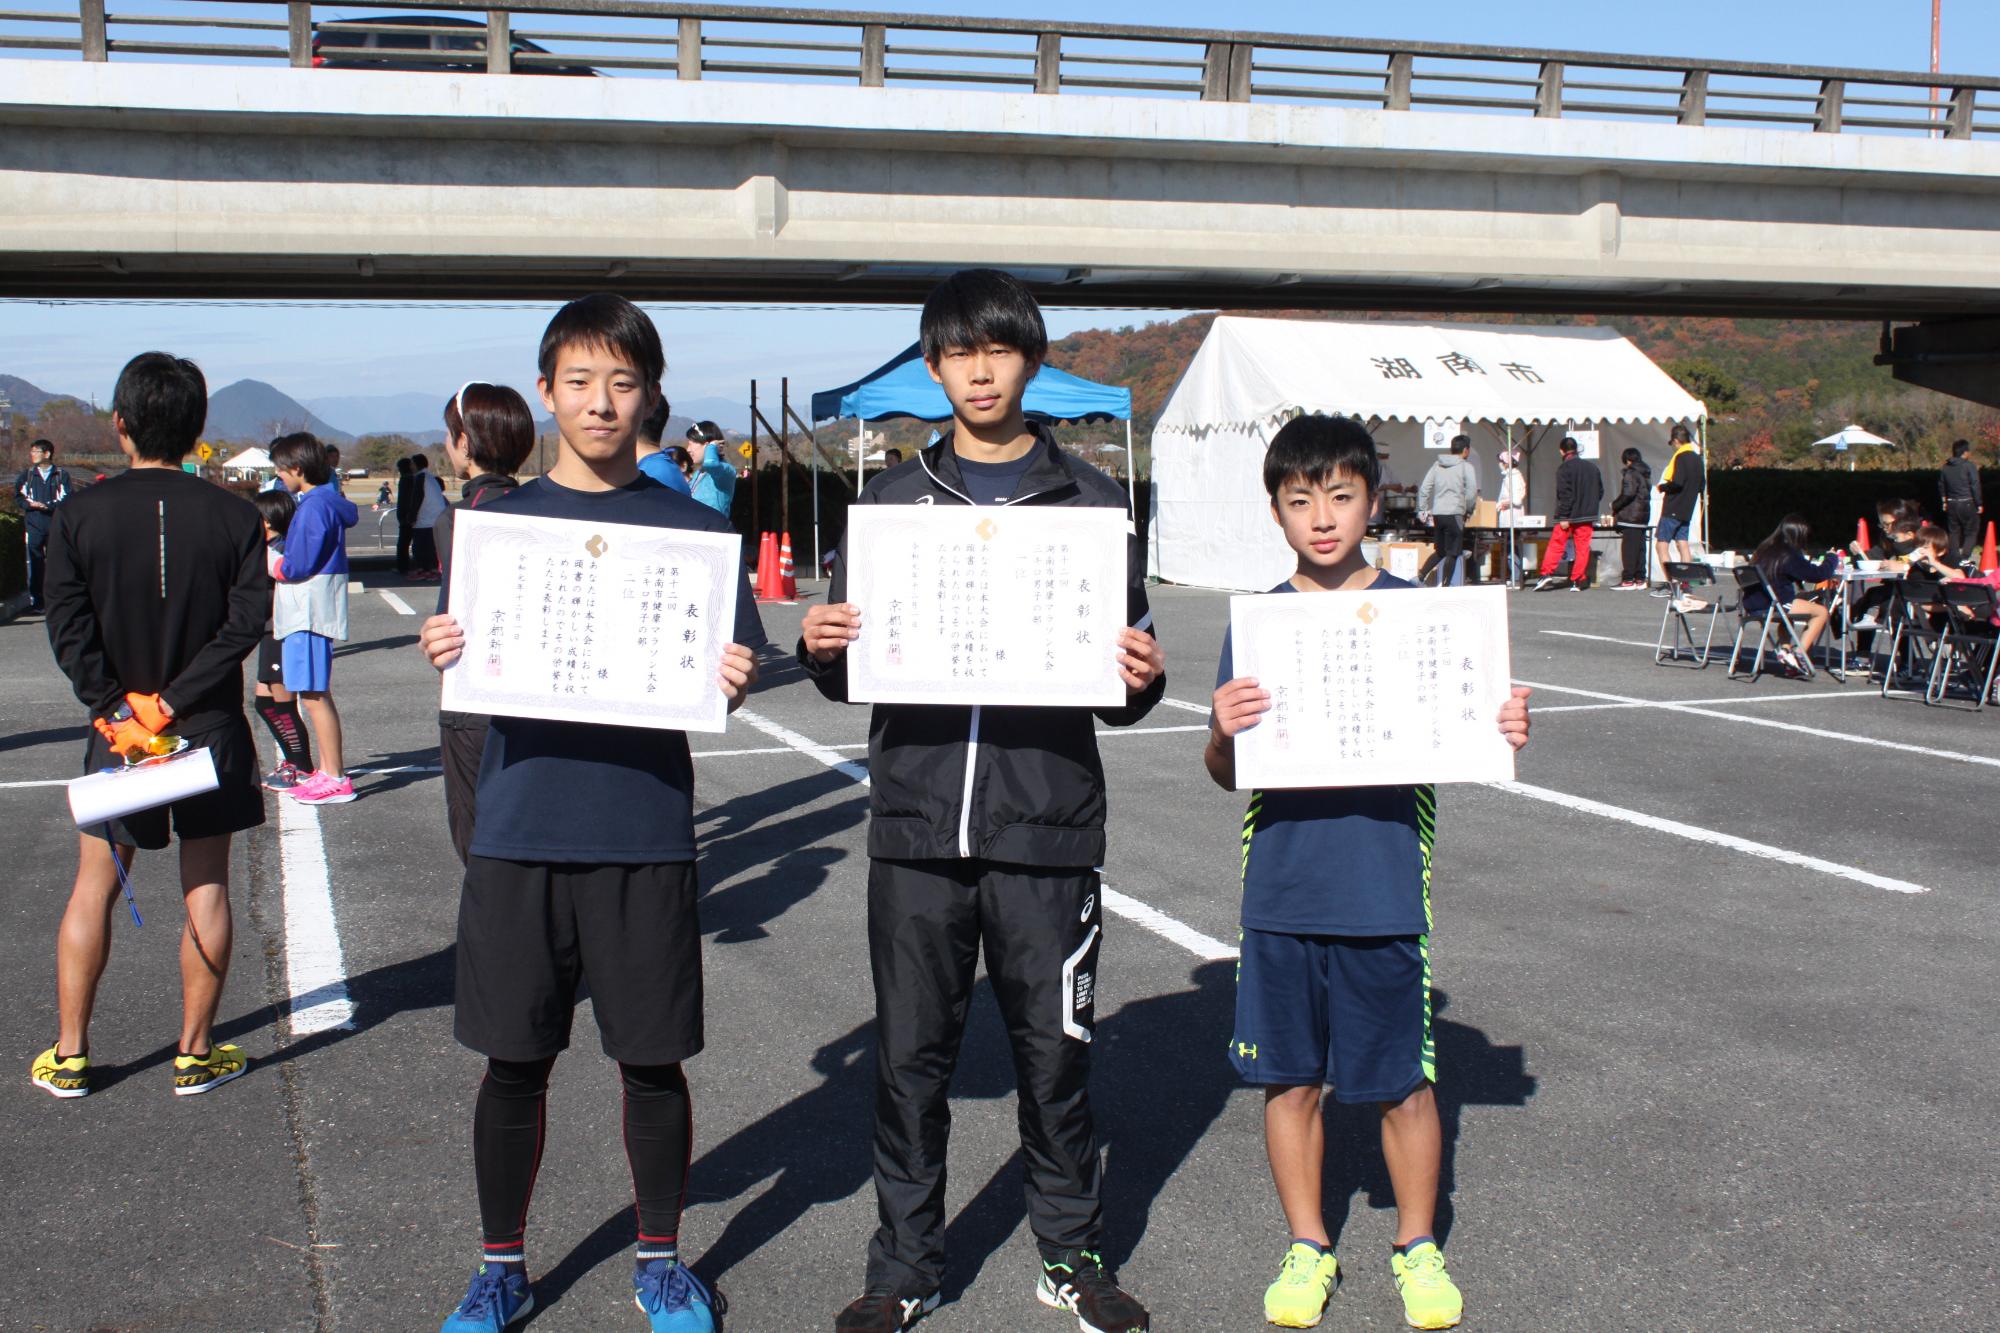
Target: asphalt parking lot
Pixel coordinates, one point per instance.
(1715, 988)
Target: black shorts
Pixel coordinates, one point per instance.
(534, 938)
(270, 662)
(237, 804)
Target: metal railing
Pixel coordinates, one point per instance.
(686, 41)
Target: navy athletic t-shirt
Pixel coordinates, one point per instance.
(1337, 860)
(995, 483)
(577, 792)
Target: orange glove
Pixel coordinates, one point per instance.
(151, 712)
(133, 729)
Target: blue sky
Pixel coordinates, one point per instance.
(314, 352)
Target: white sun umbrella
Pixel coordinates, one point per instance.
(1848, 438)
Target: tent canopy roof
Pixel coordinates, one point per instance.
(902, 387)
(1254, 371)
(250, 460)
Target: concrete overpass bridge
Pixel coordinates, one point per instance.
(694, 152)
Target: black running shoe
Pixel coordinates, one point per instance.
(1079, 1282)
(883, 1311)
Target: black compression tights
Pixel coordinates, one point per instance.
(509, 1121)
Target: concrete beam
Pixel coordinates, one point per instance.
(155, 180)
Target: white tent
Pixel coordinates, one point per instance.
(1415, 385)
(250, 460)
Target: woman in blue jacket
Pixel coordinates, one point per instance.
(1783, 559)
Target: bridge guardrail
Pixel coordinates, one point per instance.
(691, 41)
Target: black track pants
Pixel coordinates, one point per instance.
(1041, 929)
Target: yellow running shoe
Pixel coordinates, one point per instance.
(61, 1078)
(1430, 1300)
(1298, 1298)
(202, 1073)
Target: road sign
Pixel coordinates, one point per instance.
(203, 451)
(744, 448)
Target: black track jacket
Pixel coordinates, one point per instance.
(1020, 785)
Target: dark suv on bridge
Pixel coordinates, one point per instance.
(416, 42)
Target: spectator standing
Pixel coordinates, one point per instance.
(1632, 511)
(653, 460)
(431, 505)
(1958, 488)
(409, 499)
(715, 481)
(38, 490)
(1446, 496)
(1512, 504)
(1680, 487)
(1579, 496)
(309, 607)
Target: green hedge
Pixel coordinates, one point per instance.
(13, 554)
(1746, 503)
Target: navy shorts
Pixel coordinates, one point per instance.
(1671, 530)
(1350, 1011)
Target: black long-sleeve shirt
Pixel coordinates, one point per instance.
(1958, 483)
(156, 585)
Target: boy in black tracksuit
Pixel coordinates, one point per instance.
(987, 825)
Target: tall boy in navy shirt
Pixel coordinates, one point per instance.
(1334, 983)
(582, 865)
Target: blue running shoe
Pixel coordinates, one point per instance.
(498, 1298)
(671, 1298)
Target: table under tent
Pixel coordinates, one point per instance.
(903, 387)
(1414, 386)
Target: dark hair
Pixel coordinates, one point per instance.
(1568, 444)
(891, 457)
(704, 432)
(420, 462)
(499, 431)
(1960, 448)
(655, 424)
(403, 466)
(1930, 534)
(46, 446)
(978, 307)
(1679, 435)
(1909, 509)
(304, 454)
(277, 507)
(1904, 527)
(610, 322)
(1461, 444)
(1321, 450)
(1788, 539)
(163, 402)
(679, 457)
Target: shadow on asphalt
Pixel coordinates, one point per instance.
(374, 645)
(736, 839)
(418, 766)
(22, 740)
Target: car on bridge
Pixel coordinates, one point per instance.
(422, 42)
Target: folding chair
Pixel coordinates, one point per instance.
(1677, 637)
(1913, 639)
(1965, 652)
(1750, 579)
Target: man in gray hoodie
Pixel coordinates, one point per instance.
(1448, 493)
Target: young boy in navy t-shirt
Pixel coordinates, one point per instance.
(1334, 983)
(582, 865)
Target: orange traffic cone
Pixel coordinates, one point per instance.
(1989, 559)
(1861, 533)
(767, 566)
(788, 583)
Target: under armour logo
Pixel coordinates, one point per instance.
(597, 546)
(1246, 1050)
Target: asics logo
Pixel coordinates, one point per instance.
(1088, 904)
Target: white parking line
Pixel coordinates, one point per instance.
(403, 608)
(826, 754)
(316, 971)
(1730, 700)
(1744, 719)
(1584, 805)
(1600, 638)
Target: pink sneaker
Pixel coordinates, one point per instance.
(322, 789)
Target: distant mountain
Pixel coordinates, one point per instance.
(409, 414)
(28, 400)
(732, 416)
(254, 412)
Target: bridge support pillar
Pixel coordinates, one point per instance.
(1960, 357)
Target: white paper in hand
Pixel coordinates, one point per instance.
(119, 792)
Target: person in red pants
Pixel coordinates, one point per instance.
(1579, 494)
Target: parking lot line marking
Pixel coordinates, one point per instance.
(315, 970)
(826, 754)
(1149, 731)
(1187, 707)
(39, 782)
(1599, 638)
(403, 608)
(1696, 703)
(1167, 928)
(1695, 833)
(1745, 719)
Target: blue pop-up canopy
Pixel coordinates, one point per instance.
(902, 387)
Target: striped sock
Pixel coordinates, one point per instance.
(505, 1252)
(658, 1247)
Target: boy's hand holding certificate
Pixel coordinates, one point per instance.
(987, 605)
(1374, 688)
(609, 623)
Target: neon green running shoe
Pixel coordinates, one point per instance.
(1298, 1298)
(1430, 1299)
